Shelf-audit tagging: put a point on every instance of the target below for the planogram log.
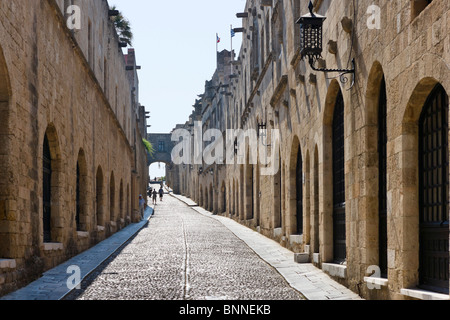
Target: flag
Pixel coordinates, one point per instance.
(232, 33)
(218, 39)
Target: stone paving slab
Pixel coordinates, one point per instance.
(312, 282)
(53, 283)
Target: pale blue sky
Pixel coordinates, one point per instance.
(175, 45)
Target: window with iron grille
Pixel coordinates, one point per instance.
(47, 190)
(339, 232)
(382, 179)
(434, 193)
(299, 189)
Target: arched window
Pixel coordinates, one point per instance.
(47, 191)
(121, 213)
(434, 193)
(299, 191)
(112, 197)
(78, 199)
(99, 198)
(339, 232)
(382, 179)
(82, 209)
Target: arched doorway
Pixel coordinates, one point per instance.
(7, 226)
(434, 193)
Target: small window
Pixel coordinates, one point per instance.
(418, 6)
(161, 146)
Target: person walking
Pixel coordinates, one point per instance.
(161, 194)
(154, 194)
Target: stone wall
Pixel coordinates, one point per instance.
(411, 51)
(54, 84)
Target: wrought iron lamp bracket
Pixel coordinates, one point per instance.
(342, 72)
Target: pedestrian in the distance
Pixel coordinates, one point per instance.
(161, 194)
(155, 195)
(141, 206)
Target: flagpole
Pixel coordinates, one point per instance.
(217, 50)
(232, 58)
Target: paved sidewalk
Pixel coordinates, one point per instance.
(312, 282)
(53, 284)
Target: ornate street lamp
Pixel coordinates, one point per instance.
(311, 43)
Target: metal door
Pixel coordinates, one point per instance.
(434, 197)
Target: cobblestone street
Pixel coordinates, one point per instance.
(184, 255)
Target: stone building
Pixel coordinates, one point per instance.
(362, 185)
(73, 161)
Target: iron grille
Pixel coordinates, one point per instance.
(299, 187)
(382, 179)
(47, 191)
(78, 204)
(339, 232)
(434, 189)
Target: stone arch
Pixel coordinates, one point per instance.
(82, 185)
(7, 227)
(373, 194)
(293, 220)
(406, 208)
(328, 250)
(52, 228)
